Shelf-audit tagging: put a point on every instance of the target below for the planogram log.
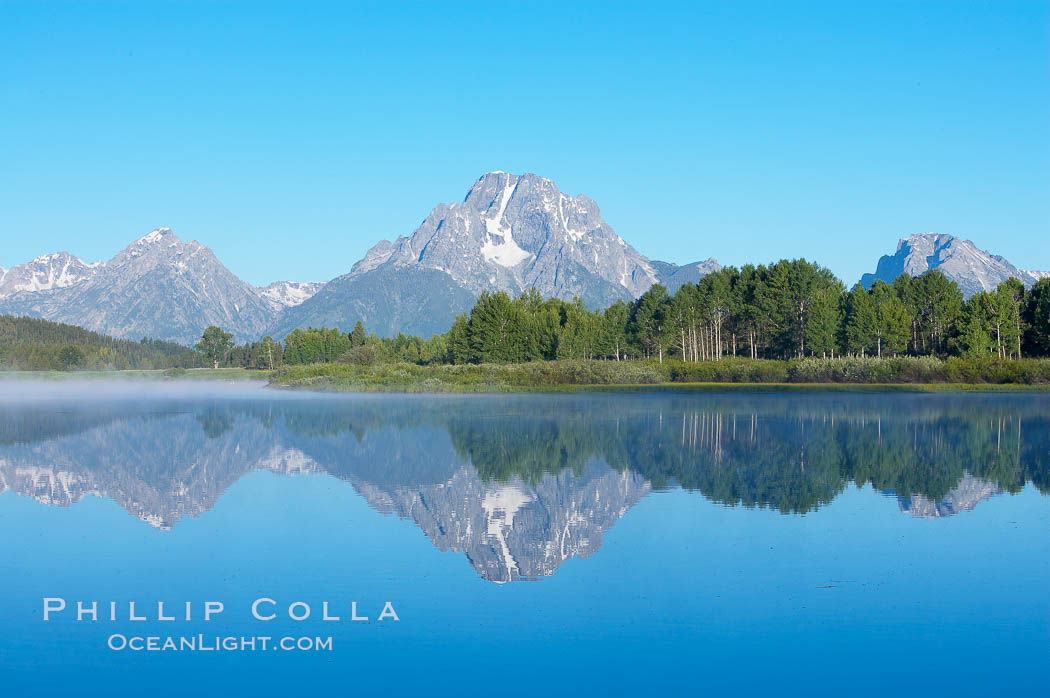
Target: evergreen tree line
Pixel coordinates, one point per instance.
(785, 310)
(790, 309)
(32, 344)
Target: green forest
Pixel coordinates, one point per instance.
(788, 321)
(787, 310)
(31, 344)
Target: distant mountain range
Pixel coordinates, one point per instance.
(960, 260)
(158, 286)
(509, 233)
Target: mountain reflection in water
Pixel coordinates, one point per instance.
(522, 483)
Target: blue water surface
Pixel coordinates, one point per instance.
(817, 545)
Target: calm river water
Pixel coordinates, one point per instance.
(631, 544)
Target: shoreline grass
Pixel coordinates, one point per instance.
(864, 375)
(321, 387)
(734, 375)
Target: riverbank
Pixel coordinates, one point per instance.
(740, 375)
(901, 374)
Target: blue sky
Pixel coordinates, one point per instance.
(290, 137)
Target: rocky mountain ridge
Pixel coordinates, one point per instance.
(288, 294)
(45, 273)
(510, 233)
(973, 269)
(158, 286)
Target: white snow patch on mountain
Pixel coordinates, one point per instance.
(505, 252)
(288, 294)
(45, 273)
(155, 235)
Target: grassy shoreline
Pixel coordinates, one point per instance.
(677, 387)
(886, 375)
(736, 375)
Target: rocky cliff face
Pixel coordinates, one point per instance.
(509, 233)
(960, 260)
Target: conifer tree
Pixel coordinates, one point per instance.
(458, 342)
(825, 316)
(647, 321)
(495, 329)
(860, 321)
(1037, 319)
(357, 336)
(973, 341)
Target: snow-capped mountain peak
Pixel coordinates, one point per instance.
(45, 273)
(509, 233)
(158, 286)
(512, 232)
(155, 235)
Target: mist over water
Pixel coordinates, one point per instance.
(16, 390)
